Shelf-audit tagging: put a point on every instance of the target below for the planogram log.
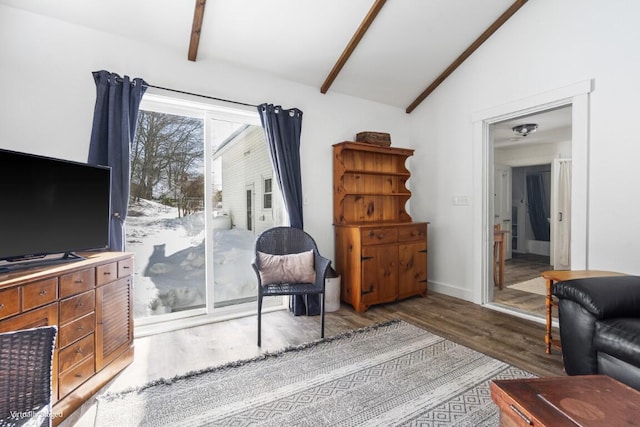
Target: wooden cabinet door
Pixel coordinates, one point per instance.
(379, 274)
(412, 270)
(114, 311)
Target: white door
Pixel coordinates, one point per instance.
(561, 214)
(502, 202)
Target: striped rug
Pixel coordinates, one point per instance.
(384, 375)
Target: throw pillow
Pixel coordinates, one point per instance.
(292, 268)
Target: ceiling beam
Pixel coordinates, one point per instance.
(362, 29)
(467, 53)
(196, 28)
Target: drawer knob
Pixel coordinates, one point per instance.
(78, 375)
(79, 351)
(80, 305)
(126, 267)
(43, 292)
(1, 306)
(79, 282)
(80, 328)
(107, 273)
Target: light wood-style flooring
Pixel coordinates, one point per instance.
(513, 340)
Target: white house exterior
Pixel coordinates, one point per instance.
(250, 195)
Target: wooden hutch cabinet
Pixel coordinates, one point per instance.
(380, 253)
(91, 303)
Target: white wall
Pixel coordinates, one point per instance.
(548, 44)
(48, 97)
(536, 154)
(245, 162)
(519, 157)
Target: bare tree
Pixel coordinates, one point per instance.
(166, 156)
(191, 195)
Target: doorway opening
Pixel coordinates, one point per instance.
(525, 204)
(498, 152)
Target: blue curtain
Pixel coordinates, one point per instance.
(114, 127)
(282, 130)
(282, 133)
(538, 211)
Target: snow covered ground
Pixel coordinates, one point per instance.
(170, 272)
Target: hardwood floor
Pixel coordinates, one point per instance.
(519, 268)
(510, 339)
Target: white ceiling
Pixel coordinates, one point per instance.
(553, 126)
(410, 43)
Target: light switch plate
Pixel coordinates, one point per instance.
(460, 200)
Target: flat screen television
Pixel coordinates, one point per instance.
(51, 208)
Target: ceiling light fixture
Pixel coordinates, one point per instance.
(524, 130)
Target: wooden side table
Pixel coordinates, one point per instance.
(586, 400)
(552, 276)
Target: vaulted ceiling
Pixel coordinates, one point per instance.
(393, 52)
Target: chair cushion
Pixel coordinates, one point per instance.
(291, 268)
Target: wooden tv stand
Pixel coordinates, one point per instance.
(91, 303)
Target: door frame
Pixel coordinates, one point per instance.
(576, 95)
(505, 198)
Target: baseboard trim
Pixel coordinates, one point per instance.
(451, 290)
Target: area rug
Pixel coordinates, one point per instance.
(534, 286)
(384, 375)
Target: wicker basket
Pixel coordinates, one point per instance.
(377, 138)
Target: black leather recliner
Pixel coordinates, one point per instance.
(600, 327)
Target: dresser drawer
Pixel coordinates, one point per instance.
(75, 283)
(39, 293)
(77, 329)
(9, 302)
(125, 267)
(74, 307)
(42, 316)
(377, 236)
(106, 273)
(70, 356)
(75, 376)
(409, 233)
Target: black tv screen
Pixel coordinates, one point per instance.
(50, 206)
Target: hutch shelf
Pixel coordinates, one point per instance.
(381, 253)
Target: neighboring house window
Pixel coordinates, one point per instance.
(267, 193)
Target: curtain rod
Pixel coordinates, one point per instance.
(199, 95)
(145, 84)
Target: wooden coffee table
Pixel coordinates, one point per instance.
(558, 276)
(588, 400)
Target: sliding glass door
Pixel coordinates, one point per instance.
(201, 190)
